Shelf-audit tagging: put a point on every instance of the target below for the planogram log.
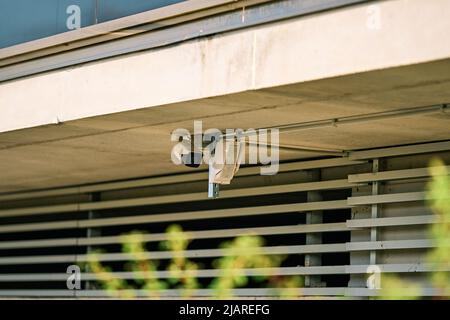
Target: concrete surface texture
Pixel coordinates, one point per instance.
(118, 113)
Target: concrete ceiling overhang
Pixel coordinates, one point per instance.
(137, 143)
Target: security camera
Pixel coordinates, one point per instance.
(187, 152)
(192, 159)
(222, 155)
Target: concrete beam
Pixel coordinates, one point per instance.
(355, 39)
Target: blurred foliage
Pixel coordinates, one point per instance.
(395, 288)
(239, 256)
(114, 286)
(183, 273)
(438, 195)
(145, 269)
(242, 254)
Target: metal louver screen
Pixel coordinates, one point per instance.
(332, 218)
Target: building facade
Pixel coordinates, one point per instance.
(89, 99)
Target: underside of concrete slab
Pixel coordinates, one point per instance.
(87, 123)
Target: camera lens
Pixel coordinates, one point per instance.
(192, 159)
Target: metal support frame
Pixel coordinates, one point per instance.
(213, 188)
(362, 118)
(91, 233)
(374, 210)
(313, 217)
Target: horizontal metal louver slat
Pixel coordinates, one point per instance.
(395, 221)
(170, 217)
(286, 167)
(391, 175)
(306, 186)
(205, 234)
(251, 292)
(320, 270)
(199, 253)
(388, 198)
(208, 253)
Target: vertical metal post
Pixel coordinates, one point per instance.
(213, 188)
(90, 232)
(374, 211)
(313, 238)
